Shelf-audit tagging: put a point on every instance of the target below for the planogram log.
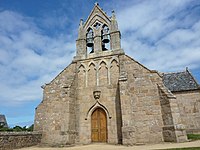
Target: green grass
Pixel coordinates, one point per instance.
(189, 148)
(193, 136)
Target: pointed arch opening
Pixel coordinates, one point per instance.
(105, 36)
(90, 40)
(98, 125)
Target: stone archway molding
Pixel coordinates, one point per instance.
(94, 107)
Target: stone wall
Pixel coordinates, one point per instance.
(140, 103)
(13, 140)
(98, 74)
(173, 129)
(147, 115)
(64, 115)
(55, 116)
(135, 108)
(189, 106)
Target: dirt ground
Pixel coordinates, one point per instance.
(120, 147)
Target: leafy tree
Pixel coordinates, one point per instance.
(31, 128)
(16, 129)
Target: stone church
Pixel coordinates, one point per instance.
(106, 96)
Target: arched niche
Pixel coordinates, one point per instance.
(81, 76)
(92, 75)
(114, 72)
(103, 73)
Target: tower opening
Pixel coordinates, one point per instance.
(105, 36)
(90, 40)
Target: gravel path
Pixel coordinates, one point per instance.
(121, 147)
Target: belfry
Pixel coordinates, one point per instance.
(106, 96)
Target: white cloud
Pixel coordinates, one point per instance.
(163, 35)
(28, 58)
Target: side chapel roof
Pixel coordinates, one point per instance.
(180, 81)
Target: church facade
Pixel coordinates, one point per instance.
(106, 96)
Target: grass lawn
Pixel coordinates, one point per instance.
(189, 148)
(193, 136)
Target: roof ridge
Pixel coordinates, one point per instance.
(174, 72)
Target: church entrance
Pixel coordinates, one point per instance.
(99, 126)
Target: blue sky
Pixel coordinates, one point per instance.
(37, 40)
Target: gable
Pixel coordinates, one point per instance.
(65, 77)
(97, 15)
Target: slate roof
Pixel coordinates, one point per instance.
(3, 120)
(180, 81)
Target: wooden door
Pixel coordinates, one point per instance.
(99, 126)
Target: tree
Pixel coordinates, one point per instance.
(31, 128)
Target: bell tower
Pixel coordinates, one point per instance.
(98, 35)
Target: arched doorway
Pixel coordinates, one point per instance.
(99, 126)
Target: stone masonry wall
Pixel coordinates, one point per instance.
(55, 116)
(140, 103)
(100, 74)
(64, 115)
(189, 106)
(173, 129)
(168, 129)
(13, 140)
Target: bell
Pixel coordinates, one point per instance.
(105, 38)
(89, 39)
(89, 42)
(105, 34)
